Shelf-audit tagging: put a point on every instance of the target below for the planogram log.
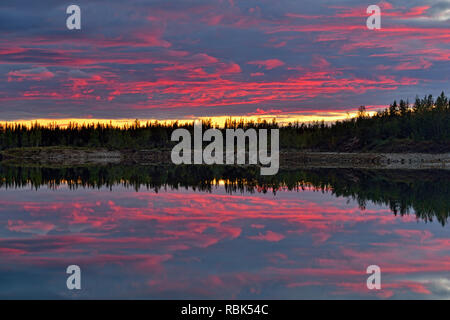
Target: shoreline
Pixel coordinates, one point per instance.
(365, 160)
(65, 156)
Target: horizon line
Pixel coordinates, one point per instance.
(281, 119)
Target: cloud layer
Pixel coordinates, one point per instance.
(180, 59)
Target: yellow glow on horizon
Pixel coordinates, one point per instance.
(281, 119)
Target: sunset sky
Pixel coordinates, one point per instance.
(209, 58)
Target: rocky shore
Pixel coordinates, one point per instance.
(364, 160)
(288, 158)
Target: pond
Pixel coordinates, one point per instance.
(223, 233)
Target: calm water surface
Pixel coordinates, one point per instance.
(307, 242)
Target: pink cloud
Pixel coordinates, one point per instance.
(268, 64)
(421, 64)
(34, 74)
(268, 236)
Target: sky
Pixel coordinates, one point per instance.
(191, 59)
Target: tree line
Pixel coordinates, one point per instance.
(425, 193)
(423, 126)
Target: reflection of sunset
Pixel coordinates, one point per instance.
(300, 241)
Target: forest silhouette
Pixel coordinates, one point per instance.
(425, 193)
(423, 126)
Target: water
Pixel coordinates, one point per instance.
(215, 233)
